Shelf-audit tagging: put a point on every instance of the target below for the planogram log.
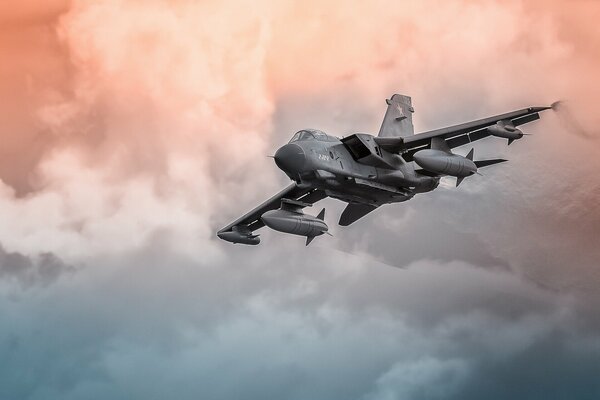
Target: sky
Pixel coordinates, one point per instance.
(132, 131)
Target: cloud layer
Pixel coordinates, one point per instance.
(132, 131)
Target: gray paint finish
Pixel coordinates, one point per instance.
(367, 171)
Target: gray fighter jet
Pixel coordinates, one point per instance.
(368, 171)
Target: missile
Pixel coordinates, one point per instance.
(440, 160)
(443, 163)
(505, 130)
(239, 234)
(290, 219)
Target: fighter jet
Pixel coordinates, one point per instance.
(369, 171)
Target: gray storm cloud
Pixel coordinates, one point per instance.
(350, 329)
(27, 271)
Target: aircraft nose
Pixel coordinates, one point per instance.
(290, 158)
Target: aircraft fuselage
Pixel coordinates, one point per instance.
(328, 164)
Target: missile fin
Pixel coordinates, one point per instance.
(321, 215)
(470, 155)
(439, 143)
(309, 239)
(459, 180)
(485, 163)
(510, 141)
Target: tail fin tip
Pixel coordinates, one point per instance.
(397, 121)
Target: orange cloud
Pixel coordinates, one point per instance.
(186, 97)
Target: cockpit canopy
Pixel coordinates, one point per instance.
(312, 134)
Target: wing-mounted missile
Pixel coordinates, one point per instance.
(239, 234)
(440, 161)
(289, 218)
(506, 129)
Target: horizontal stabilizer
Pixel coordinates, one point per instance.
(485, 163)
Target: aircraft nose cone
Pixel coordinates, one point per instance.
(290, 158)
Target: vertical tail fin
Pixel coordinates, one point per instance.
(397, 121)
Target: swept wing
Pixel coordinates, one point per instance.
(457, 135)
(251, 221)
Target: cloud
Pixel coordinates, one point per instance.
(33, 71)
(154, 323)
(142, 110)
(571, 124)
(43, 269)
(216, 98)
(141, 128)
(421, 379)
(31, 12)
